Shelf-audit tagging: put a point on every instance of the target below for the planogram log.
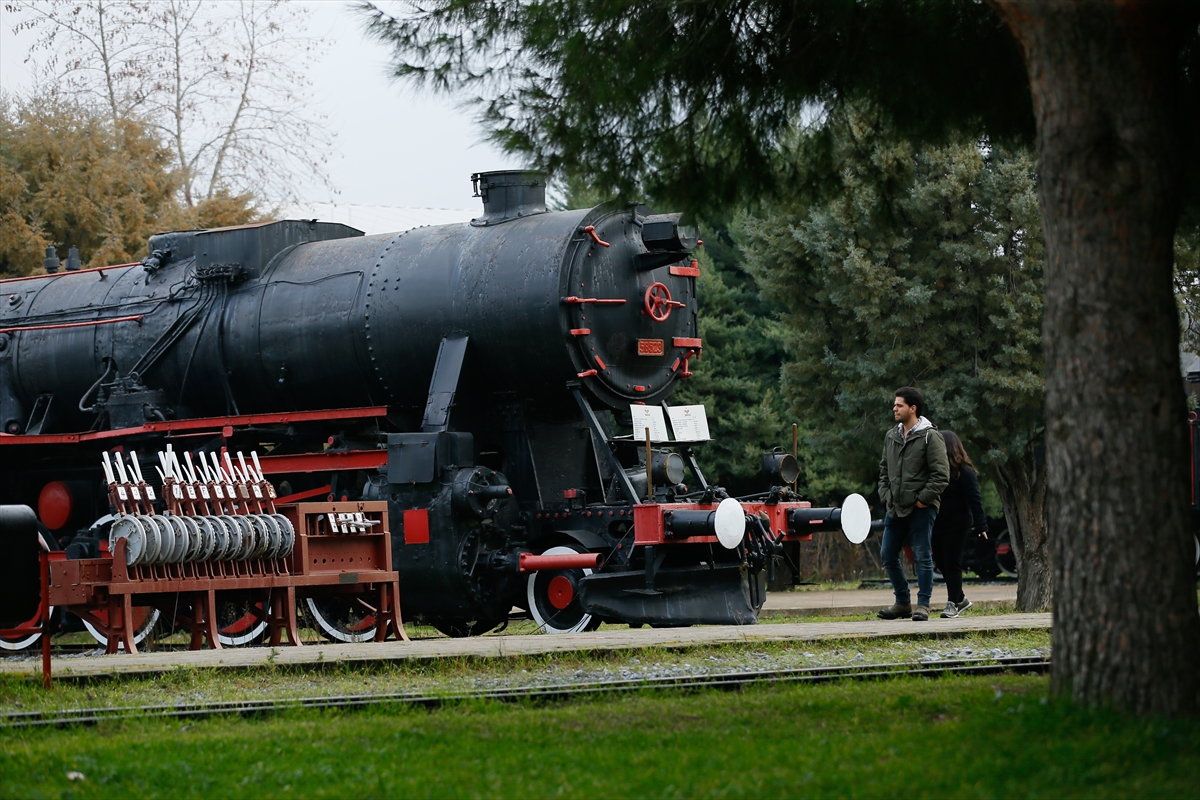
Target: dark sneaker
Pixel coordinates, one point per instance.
(951, 610)
(896, 611)
(964, 604)
(921, 614)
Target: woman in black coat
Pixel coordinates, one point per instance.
(961, 512)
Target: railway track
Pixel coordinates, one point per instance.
(725, 681)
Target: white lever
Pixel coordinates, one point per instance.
(108, 473)
(137, 468)
(257, 466)
(120, 462)
(229, 463)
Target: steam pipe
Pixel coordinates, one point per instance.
(531, 563)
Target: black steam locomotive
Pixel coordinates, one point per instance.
(480, 378)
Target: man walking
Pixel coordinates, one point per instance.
(912, 475)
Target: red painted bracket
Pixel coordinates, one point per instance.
(590, 230)
(600, 301)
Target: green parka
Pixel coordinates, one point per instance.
(913, 469)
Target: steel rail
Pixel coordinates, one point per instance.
(726, 681)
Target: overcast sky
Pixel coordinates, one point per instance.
(393, 146)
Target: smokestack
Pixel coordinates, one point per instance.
(509, 194)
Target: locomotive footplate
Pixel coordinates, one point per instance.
(716, 594)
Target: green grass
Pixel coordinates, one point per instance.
(446, 675)
(954, 737)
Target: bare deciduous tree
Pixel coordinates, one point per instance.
(224, 84)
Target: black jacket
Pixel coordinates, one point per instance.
(962, 507)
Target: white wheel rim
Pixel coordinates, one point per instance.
(336, 633)
(531, 596)
(250, 635)
(21, 644)
(139, 635)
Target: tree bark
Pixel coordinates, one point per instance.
(1022, 487)
(1104, 79)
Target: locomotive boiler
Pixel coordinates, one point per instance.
(482, 379)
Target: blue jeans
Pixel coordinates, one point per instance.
(915, 530)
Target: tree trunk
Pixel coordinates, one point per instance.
(1022, 488)
(1104, 82)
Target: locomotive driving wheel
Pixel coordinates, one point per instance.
(144, 620)
(241, 620)
(1006, 557)
(342, 620)
(21, 642)
(553, 597)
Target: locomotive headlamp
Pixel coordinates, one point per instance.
(667, 468)
(664, 232)
(780, 467)
(853, 519)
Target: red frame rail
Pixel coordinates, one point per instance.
(222, 425)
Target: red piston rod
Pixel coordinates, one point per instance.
(531, 563)
(600, 301)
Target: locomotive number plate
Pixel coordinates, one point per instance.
(650, 347)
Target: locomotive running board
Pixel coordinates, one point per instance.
(702, 595)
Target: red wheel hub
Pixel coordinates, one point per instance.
(560, 592)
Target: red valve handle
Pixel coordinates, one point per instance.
(590, 230)
(658, 302)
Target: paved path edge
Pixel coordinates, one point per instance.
(319, 655)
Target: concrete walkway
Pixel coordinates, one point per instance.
(842, 602)
(501, 646)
